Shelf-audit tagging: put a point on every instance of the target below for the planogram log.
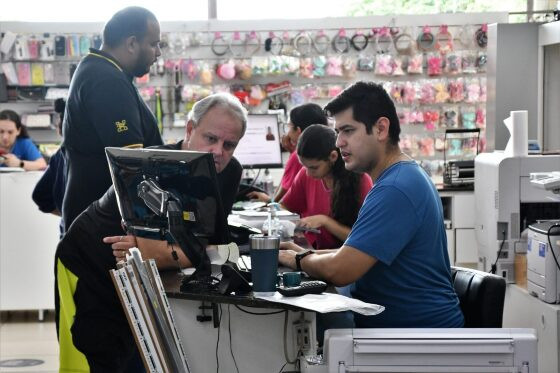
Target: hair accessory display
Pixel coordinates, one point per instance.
(359, 41)
(481, 36)
(219, 45)
(449, 117)
(481, 62)
(226, 70)
(384, 65)
(431, 119)
(349, 68)
(259, 65)
(319, 64)
(415, 63)
(409, 93)
(341, 43)
(273, 44)
(302, 44)
(441, 92)
(321, 42)
(453, 63)
(366, 63)
(444, 40)
(404, 43)
(397, 66)
(456, 90)
(469, 62)
(306, 68)
(252, 43)
(426, 39)
(206, 76)
(427, 93)
(384, 41)
(237, 46)
(334, 66)
(473, 91)
(243, 69)
(434, 64)
(190, 68)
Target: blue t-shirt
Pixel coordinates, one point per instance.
(401, 225)
(25, 150)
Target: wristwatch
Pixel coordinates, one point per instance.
(300, 256)
(21, 164)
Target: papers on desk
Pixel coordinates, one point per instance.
(327, 302)
(261, 215)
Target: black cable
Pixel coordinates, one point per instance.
(495, 265)
(550, 243)
(258, 313)
(218, 342)
(242, 192)
(230, 345)
(282, 368)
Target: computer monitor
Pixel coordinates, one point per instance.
(151, 183)
(260, 147)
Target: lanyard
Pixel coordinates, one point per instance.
(108, 59)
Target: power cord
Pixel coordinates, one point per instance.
(494, 267)
(230, 345)
(218, 342)
(556, 225)
(258, 313)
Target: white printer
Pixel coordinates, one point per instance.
(543, 273)
(426, 350)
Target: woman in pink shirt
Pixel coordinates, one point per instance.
(325, 194)
(301, 117)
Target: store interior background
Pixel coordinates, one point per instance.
(23, 337)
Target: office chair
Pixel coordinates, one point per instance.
(481, 296)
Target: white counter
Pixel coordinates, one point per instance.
(28, 240)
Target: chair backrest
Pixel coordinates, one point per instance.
(481, 296)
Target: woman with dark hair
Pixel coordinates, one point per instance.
(16, 148)
(301, 117)
(325, 194)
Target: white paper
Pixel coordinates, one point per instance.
(517, 125)
(222, 253)
(327, 302)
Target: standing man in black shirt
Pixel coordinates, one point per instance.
(104, 107)
(93, 331)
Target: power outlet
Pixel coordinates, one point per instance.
(302, 335)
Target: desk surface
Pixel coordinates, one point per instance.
(172, 283)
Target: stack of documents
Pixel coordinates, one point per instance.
(147, 309)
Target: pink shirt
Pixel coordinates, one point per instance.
(309, 196)
(290, 171)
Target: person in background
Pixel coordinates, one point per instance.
(49, 191)
(104, 107)
(16, 148)
(396, 253)
(324, 193)
(301, 117)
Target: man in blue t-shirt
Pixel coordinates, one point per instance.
(396, 254)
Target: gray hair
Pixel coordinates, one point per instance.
(225, 100)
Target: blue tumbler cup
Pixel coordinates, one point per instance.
(264, 263)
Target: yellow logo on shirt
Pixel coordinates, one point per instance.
(121, 126)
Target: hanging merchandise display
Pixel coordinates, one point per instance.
(434, 74)
(321, 42)
(341, 43)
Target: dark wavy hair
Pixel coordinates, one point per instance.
(317, 142)
(14, 117)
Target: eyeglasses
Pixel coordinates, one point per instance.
(286, 127)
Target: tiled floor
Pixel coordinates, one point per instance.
(22, 336)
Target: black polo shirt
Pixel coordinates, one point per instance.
(103, 109)
(100, 329)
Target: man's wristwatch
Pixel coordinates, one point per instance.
(300, 256)
(21, 164)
